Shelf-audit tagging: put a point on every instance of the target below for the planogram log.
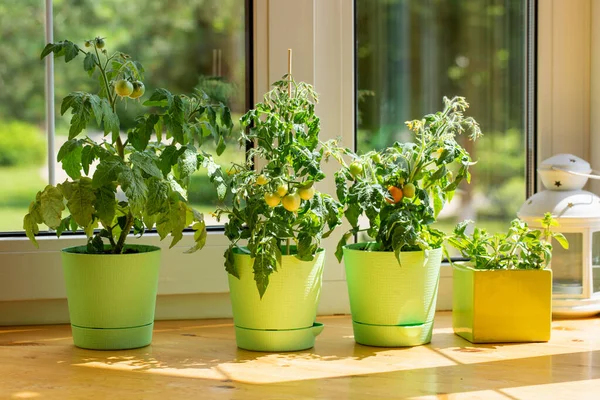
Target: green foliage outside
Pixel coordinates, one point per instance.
(21, 145)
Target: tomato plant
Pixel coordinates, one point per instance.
(153, 174)
(520, 248)
(402, 189)
(283, 207)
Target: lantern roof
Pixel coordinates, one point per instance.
(579, 204)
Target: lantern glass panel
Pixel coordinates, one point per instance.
(596, 261)
(567, 266)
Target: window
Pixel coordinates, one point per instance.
(182, 45)
(412, 53)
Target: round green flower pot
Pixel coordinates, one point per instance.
(392, 303)
(111, 297)
(284, 319)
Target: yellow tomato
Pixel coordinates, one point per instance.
(272, 199)
(291, 202)
(282, 190)
(262, 180)
(307, 193)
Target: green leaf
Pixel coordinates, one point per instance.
(52, 206)
(31, 228)
(158, 196)
(70, 156)
(132, 183)
(47, 50)
(200, 235)
(187, 162)
(221, 146)
(80, 199)
(105, 204)
(111, 120)
(82, 113)
(108, 170)
(172, 221)
(160, 98)
(69, 101)
(265, 263)
(562, 240)
(147, 162)
(89, 63)
(168, 158)
(339, 250)
(87, 157)
(230, 266)
(71, 50)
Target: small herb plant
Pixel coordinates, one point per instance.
(277, 204)
(152, 165)
(520, 248)
(402, 189)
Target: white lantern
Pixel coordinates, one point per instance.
(576, 271)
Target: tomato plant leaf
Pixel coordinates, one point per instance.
(52, 206)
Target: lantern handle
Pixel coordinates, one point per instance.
(591, 176)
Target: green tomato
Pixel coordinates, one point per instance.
(99, 43)
(356, 169)
(123, 88)
(138, 90)
(409, 190)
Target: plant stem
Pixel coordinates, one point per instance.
(112, 101)
(118, 249)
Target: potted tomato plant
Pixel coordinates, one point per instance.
(504, 293)
(275, 278)
(121, 184)
(393, 280)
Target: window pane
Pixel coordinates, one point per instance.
(412, 53)
(182, 44)
(567, 266)
(23, 168)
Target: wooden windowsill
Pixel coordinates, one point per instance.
(199, 360)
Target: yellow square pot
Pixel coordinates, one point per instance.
(495, 306)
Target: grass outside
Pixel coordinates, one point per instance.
(20, 184)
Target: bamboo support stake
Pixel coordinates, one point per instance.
(290, 95)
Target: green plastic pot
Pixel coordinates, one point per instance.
(111, 297)
(392, 303)
(284, 319)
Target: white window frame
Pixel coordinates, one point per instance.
(322, 38)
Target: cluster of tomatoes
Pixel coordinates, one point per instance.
(126, 88)
(396, 192)
(289, 200)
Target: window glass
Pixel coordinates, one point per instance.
(23, 167)
(567, 266)
(182, 44)
(412, 53)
